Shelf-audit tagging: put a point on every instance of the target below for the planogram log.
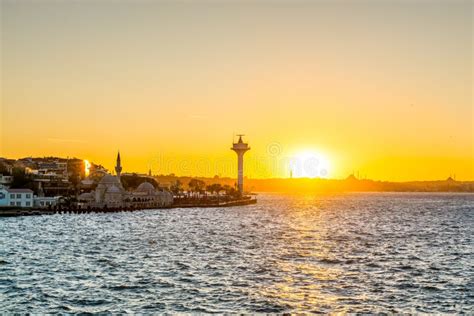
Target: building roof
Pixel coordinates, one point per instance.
(145, 187)
(113, 189)
(109, 179)
(86, 196)
(19, 191)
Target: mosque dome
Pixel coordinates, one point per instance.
(109, 179)
(88, 196)
(145, 187)
(113, 189)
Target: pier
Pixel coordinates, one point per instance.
(198, 203)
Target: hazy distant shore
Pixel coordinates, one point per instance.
(351, 184)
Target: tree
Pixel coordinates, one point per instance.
(217, 188)
(210, 188)
(21, 179)
(196, 185)
(4, 170)
(227, 188)
(230, 191)
(75, 168)
(176, 188)
(214, 188)
(130, 182)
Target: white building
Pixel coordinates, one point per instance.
(16, 197)
(4, 201)
(45, 201)
(146, 195)
(5, 181)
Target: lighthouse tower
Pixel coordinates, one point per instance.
(240, 149)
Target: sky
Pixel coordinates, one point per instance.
(380, 88)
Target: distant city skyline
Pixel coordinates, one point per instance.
(383, 88)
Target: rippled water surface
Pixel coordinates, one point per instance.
(359, 252)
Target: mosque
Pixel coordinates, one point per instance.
(110, 192)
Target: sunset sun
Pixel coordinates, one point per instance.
(310, 163)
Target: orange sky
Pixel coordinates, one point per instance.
(380, 88)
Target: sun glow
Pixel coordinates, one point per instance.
(87, 167)
(310, 164)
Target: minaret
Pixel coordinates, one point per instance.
(40, 190)
(240, 149)
(118, 166)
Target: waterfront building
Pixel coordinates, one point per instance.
(4, 201)
(111, 193)
(146, 194)
(41, 200)
(16, 197)
(45, 201)
(86, 199)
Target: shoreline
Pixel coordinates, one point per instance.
(16, 212)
